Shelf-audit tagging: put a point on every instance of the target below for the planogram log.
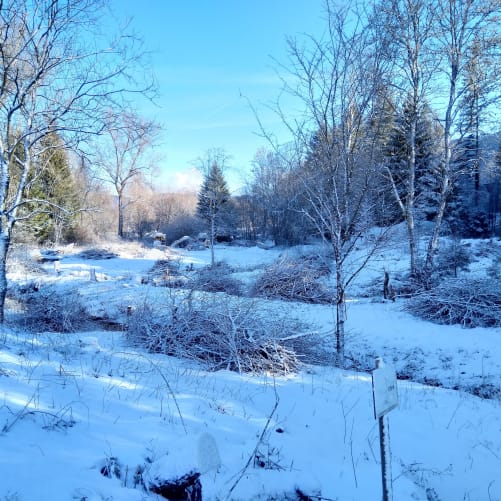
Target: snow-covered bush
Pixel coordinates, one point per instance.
(50, 308)
(219, 331)
(470, 303)
(295, 280)
(166, 272)
(454, 257)
(216, 279)
(22, 262)
(494, 269)
(97, 253)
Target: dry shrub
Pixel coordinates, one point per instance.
(49, 308)
(470, 303)
(295, 280)
(21, 260)
(165, 272)
(218, 331)
(97, 253)
(216, 279)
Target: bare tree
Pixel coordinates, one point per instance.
(124, 156)
(408, 27)
(216, 155)
(460, 24)
(432, 45)
(140, 217)
(56, 78)
(336, 78)
(275, 193)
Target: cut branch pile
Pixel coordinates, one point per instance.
(219, 333)
(470, 303)
(217, 279)
(96, 253)
(294, 280)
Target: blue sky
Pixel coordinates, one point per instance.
(210, 58)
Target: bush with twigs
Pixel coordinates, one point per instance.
(219, 331)
(295, 280)
(166, 272)
(22, 262)
(470, 303)
(216, 279)
(50, 308)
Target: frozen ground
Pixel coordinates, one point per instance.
(75, 406)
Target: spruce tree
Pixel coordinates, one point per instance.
(52, 196)
(397, 153)
(213, 202)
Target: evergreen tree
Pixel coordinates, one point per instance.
(471, 105)
(469, 214)
(397, 153)
(52, 195)
(494, 190)
(213, 203)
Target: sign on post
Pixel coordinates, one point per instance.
(384, 388)
(384, 391)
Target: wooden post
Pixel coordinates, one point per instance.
(385, 399)
(384, 445)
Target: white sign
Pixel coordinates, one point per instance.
(384, 390)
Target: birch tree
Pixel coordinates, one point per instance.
(460, 24)
(335, 79)
(56, 77)
(409, 28)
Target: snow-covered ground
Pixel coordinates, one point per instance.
(75, 406)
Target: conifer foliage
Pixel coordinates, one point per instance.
(213, 203)
(52, 194)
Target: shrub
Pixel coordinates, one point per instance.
(97, 253)
(21, 261)
(218, 331)
(295, 280)
(183, 224)
(216, 279)
(455, 257)
(165, 272)
(49, 308)
(494, 269)
(470, 303)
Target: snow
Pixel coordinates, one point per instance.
(73, 405)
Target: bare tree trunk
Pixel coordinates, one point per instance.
(411, 194)
(120, 216)
(434, 240)
(340, 322)
(212, 240)
(4, 248)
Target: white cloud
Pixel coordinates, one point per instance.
(182, 180)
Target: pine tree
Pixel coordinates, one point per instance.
(213, 202)
(397, 152)
(52, 195)
(471, 107)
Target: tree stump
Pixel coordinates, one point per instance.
(388, 290)
(185, 488)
